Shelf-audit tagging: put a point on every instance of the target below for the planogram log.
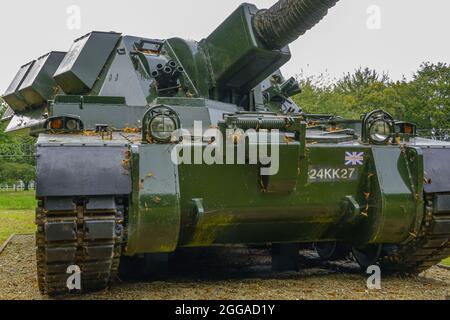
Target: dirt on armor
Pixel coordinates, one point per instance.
(228, 274)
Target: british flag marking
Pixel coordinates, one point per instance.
(354, 158)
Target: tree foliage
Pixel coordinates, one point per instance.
(16, 164)
(424, 100)
(11, 173)
(2, 107)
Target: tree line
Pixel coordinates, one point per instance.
(16, 162)
(423, 100)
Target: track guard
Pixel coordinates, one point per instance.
(65, 170)
(156, 201)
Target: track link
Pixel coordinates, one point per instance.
(89, 239)
(430, 247)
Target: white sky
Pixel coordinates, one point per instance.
(412, 31)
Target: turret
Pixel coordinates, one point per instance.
(236, 65)
(252, 44)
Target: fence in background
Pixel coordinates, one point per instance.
(19, 186)
(10, 152)
(16, 153)
(435, 134)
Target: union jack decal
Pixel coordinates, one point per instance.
(354, 158)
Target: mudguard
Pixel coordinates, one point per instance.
(437, 169)
(78, 169)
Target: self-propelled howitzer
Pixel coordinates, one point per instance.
(146, 146)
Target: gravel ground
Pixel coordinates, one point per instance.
(240, 274)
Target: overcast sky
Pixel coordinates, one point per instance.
(389, 35)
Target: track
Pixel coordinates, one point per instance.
(88, 238)
(430, 247)
(92, 239)
(228, 274)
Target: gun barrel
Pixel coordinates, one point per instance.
(287, 20)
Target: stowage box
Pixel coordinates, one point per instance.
(39, 86)
(12, 96)
(85, 60)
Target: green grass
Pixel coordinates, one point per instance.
(20, 200)
(446, 262)
(19, 222)
(16, 213)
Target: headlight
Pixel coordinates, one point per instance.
(159, 124)
(63, 123)
(72, 125)
(380, 131)
(162, 127)
(378, 127)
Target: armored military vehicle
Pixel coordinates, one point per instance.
(146, 146)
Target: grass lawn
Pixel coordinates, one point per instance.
(20, 200)
(16, 213)
(446, 262)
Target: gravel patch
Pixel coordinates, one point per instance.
(240, 274)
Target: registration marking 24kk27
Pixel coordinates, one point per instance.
(332, 174)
